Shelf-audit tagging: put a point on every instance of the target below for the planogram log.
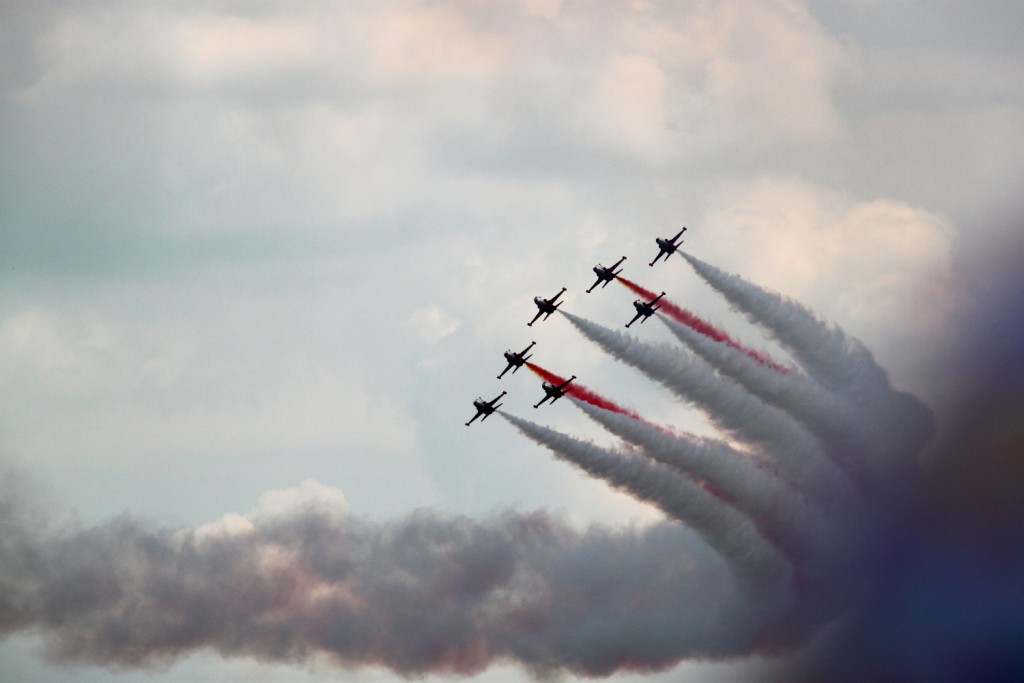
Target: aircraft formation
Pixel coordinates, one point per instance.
(546, 306)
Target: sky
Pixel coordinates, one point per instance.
(259, 253)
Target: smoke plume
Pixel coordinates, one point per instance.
(765, 429)
(698, 324)
(581, 392)
(883, 429)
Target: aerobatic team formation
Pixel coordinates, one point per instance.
(555, 388)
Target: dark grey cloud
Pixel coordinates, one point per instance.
(947, 595)
(421, 594)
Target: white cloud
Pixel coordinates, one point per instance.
(549, 9)
(880, 268)
(310, 494)
(331, 118)
(74, 356)
(209, 49)
(429, 45)
(769, 68)
(110, 391)
(626, 109)
(432, 324)
(312, 409)
(231, 524)
(704, 78)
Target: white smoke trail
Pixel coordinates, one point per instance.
(824, 350)
(822, 552)
(799, 455)
(878, 427)
(748, 485)
(759, 566)
(823, 413)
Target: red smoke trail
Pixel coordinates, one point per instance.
(687, 318)
(579, 391)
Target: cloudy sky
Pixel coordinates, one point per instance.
(255, 252)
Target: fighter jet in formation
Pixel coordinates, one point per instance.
(516, 360)
(554, 392)
(546, 306)
(667, 247)
(605, 275)
(645, 309)
(485, 408)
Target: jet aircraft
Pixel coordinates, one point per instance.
(516, 360)
(554, 392)
(605, 274)
(546, 306)
(645, 309)
(485, 408)
(667, 247)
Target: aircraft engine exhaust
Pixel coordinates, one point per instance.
(580, 391)
(700, 325)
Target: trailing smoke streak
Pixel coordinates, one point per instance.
(822, 553)
(896, 424)
(581, 392)
(733, 410)
(820, 411)
(759, 567)
(824, 350)
(700, 325)
(750, 487)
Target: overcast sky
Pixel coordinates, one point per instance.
(248, 245)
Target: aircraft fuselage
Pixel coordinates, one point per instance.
(667, 247)
(545, 307)
(553, 392)
(485, 408)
